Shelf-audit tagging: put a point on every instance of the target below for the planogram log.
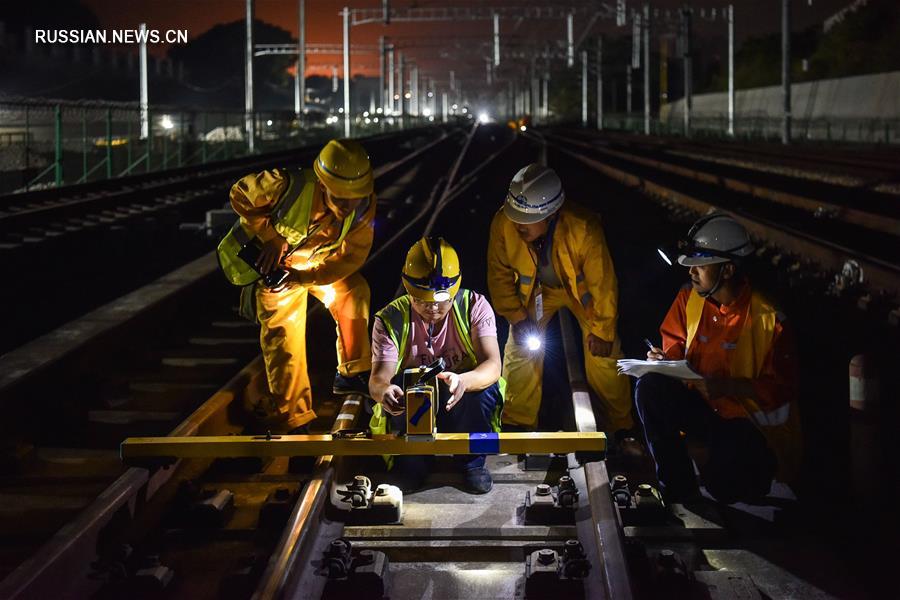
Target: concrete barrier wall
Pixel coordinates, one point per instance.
(862, 97)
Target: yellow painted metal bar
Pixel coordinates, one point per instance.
(317, 445)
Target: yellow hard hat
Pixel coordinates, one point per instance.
(343, 167)
(431, 271)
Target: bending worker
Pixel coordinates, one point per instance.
(437, 318)
(744, 409)
(310, 230)
(544, 255)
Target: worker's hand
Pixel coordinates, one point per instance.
(457, 384)
(656, 354)
(598, 346)
(522, 330)
(271, 254)
(391, 400)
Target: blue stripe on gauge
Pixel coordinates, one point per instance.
(417, 416)
(484, 443)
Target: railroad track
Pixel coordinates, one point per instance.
(781, 219)
(260, 528)
(97, 242)
(115, 199)
(187, 372)
(862, 167)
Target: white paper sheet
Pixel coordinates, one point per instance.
(679, 369)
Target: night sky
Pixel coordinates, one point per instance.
(324, 24)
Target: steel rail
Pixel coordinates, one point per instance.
(284, 578)
(869, 163)
(603, 533)
(879, 273)
(18, 365)
(67, 556)
(153, 183)
(863, 218)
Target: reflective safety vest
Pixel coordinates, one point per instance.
(290, 218)
(397, 318)
(780, 426)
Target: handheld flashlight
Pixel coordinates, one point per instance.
(533, 343)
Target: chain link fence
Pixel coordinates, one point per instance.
(50, 144)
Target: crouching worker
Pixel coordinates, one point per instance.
(303, 232)
(437, 319)
(744, 410)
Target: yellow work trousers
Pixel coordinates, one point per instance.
(524, 372)
(287, 403)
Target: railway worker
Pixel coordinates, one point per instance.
(438, 318)
(544, 255)
(744, 410)
(317, 225)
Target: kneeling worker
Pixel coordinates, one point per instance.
(438, 319)
(744, 410)
(301, 232)
(542, 256)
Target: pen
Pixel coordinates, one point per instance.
(649, 344)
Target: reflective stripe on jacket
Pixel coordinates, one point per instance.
(581, 261)
(781, 424)
(290, 218)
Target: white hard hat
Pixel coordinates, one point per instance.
(715, 238)
(535, 193)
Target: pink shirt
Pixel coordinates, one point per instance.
(445, 341)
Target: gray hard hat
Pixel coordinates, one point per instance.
(715, 238)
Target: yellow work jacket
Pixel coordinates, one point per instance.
(581, 261)
(328, 248)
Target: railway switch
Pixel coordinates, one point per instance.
(552, 505)
(549, 572)
(384, 504)
(358, 574)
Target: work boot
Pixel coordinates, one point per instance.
(352, 384)
(478, 480)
